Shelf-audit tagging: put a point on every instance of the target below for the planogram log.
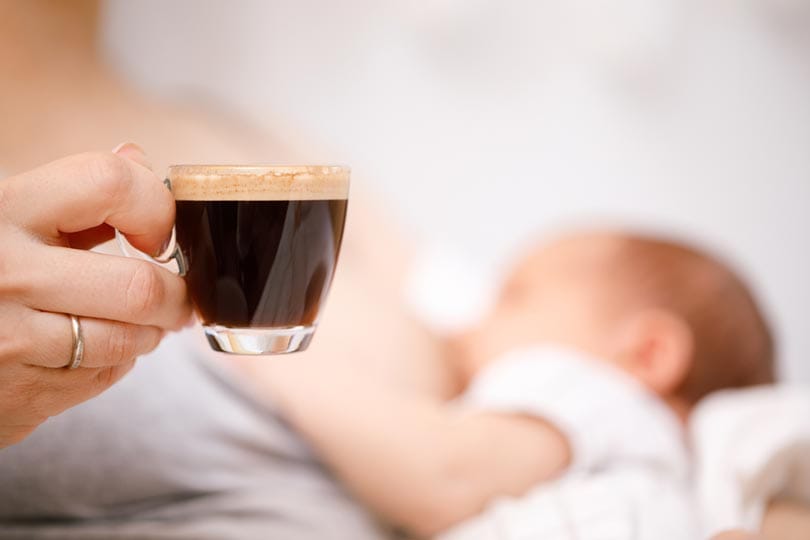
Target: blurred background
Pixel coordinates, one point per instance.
(484, 123)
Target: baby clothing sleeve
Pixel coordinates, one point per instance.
(751, 446)
(628, 479)
(628, 502)
(606, 415)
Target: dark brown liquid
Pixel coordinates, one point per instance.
(260, 263)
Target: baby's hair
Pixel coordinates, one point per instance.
(733, 345)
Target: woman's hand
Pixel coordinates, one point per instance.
(48, 218)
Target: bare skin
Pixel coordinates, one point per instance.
(440, 461)
(736, 535)
(47, 45)
(442, 466)
(125, 305)
(784, 520)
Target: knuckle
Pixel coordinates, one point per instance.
(15, 338)
(110, 174)
(14, 280)
(145, 291)
(150, 344)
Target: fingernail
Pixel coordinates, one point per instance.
(134, 146)
(134, 152)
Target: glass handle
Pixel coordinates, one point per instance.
(164, 259)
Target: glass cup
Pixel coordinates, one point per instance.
(258, 246)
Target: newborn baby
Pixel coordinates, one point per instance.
(675, 319)
(573, 395)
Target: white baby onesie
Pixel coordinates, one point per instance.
(629, 479)
(751, 446)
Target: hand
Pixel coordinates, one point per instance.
(49, 217)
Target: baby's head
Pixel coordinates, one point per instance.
(676, 319)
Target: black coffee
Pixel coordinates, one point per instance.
(258, 263)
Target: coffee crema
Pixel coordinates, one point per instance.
(258, 183)
(260, 243)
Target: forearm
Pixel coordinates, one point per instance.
(786, 520)
(783, 520)
(417, 462)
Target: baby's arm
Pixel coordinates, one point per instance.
(783, 520)
(421, 464)
(786, 520)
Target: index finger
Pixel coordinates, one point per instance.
(86, 190)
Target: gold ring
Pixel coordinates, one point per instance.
(78, 343)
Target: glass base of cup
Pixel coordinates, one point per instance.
(259, 341)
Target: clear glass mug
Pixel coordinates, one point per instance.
(258, 246)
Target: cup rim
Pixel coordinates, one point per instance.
(258, 182)
(258, 169)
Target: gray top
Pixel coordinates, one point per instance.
(175, 450)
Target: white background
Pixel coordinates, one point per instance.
(486, 122)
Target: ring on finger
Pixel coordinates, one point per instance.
(77, 354)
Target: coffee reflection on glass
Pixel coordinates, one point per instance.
(260, 244)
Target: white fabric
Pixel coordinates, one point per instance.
(607, 416)
(630, 474)
(447, 291)
(750, 446)
(626, 502)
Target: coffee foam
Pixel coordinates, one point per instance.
(258, 183)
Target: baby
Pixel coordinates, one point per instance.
(587, 368)
(675, 319)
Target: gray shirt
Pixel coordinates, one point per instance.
(177, 449)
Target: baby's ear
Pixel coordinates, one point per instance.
(655, 346)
